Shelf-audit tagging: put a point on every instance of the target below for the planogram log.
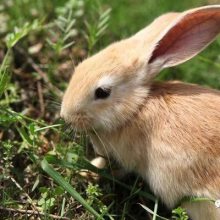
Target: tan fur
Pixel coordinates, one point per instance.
(170, 141)
(202, 210)
(169, 133)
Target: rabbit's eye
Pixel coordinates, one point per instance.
(102, 93)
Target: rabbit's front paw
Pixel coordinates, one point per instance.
(100, 163)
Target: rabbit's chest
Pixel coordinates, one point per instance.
(128, 153)
(157, 164)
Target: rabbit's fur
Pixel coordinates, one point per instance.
(169, 133)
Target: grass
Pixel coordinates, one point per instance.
(40, 159)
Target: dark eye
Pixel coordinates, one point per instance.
(102, 93)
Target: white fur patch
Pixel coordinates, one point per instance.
(107, 81)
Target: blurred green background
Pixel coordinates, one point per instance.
(129, 16)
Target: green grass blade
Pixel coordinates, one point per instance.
(155, 210)
(4, 73)
(86, 165)
(152, 212)
(62, 182)
(47, 127)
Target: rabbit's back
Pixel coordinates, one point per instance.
(188, 113)
(184, 153)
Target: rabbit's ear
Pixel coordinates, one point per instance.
(185, 37)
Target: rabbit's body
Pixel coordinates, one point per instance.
(170, 143)
(169, 133)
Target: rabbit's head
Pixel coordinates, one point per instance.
(108, 89)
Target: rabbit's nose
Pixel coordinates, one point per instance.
(64, 114)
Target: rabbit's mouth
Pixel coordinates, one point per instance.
(80, 122)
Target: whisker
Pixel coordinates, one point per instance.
(52, 97)
(65, 127)
(86, 133)
(74, 132)
(54, 107)
(53, 104)
(105, 149)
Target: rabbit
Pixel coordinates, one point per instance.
(167, 132)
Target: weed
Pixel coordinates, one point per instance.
(179, 214)
(97, 27)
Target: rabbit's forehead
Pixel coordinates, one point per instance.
(98, 76)
(115, 58)
(106, 80)
(107, 68)
(99, 73)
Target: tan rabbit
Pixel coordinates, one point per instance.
(169, 133)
